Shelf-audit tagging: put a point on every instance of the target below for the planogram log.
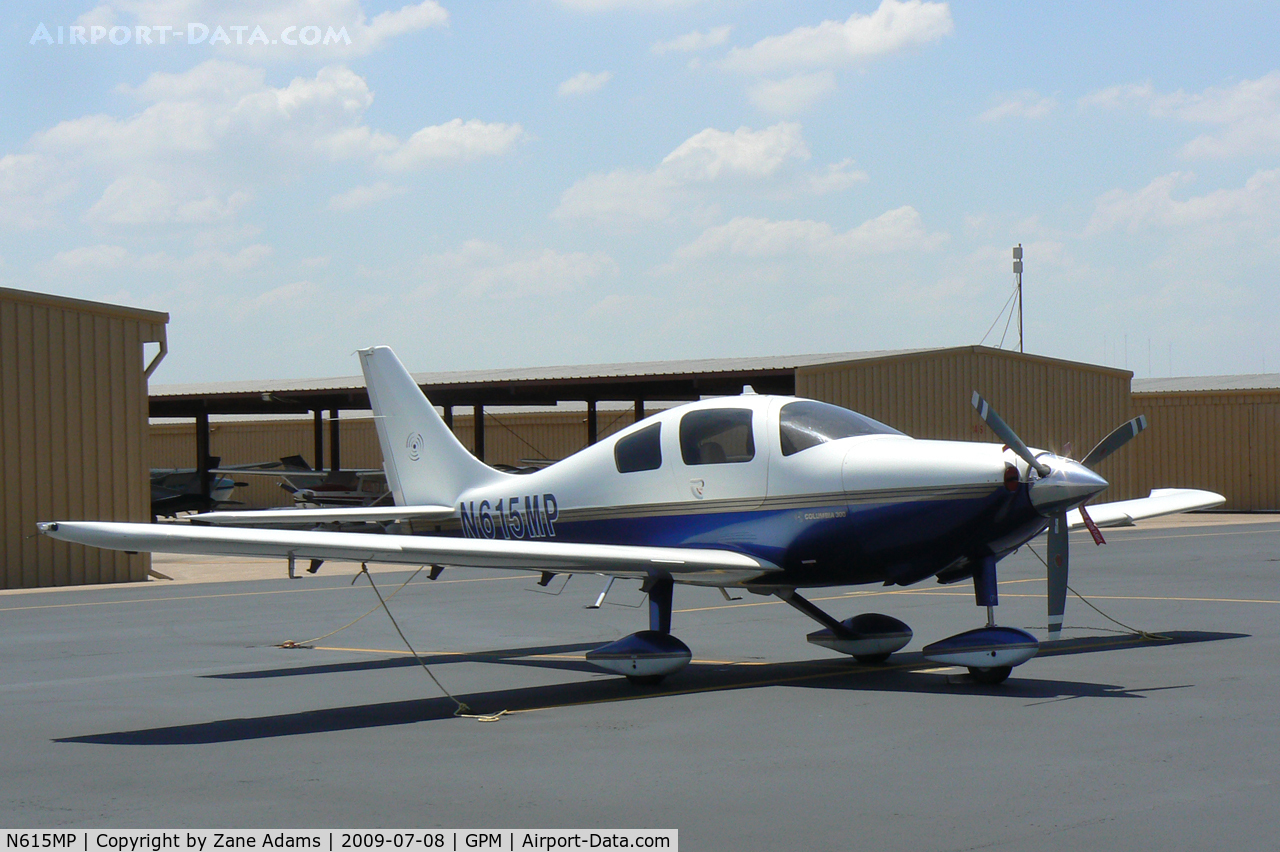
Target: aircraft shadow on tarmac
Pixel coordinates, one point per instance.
(907, 673)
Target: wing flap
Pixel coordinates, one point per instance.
(1161, 501)
(309, 517)
(694, 566)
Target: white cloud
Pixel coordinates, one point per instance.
(99, 16)
(1024, 104)
(893, 27)
(1114, 97)
(620, 195)
(364, 196)
(837, 178)
(794, 94)
(1155, 206)
(216, 106)
(484, 269)
(106, 258)
(453, 140)
(91, 258)
(895, 230)
(202, 137)
(583, 84)
(611, 5)
(713, 153)
(31, 187)
(142, 200)
(707, 157)
(285, 295)
(240, 261)
(693, 42)
(1246, 113)
(215, 80)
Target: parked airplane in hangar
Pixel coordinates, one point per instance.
(766, 493)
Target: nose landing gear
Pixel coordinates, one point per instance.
(990, 652)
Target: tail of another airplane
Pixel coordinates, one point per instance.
(425, 463)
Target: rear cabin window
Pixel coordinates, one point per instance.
(717, 436)
(807, 423)
(640, 450)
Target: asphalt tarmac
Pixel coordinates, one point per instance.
(169, 704)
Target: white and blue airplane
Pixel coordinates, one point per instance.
(766, 493)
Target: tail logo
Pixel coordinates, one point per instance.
(414, 444)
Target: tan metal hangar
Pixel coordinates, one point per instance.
(73, 432)
(75, 442)
(543, 414)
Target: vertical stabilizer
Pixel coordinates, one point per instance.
(425, 463)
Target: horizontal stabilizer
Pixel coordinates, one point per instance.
(695, 566)
(309, 517)
(1161, 501)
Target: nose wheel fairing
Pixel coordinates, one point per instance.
(989, 652)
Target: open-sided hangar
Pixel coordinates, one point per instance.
(923, 392)
(74, 442)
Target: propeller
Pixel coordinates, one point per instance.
(1058, 549)
(1006, 434)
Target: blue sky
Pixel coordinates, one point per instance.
(502, 184)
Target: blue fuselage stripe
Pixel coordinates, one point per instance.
(836, 544)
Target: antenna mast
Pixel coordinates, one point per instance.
(1017, 270)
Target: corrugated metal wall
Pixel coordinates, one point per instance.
(1223, 441)
(73, 442)
(1049, 403)
(509, 438)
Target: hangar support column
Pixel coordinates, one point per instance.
(202, 454)
(335, 448)
(318, 436)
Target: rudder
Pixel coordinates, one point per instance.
(425, 462)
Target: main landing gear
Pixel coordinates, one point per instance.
(650, 655)
(869, 638)
(990, 652)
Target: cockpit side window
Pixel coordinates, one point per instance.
(640, 450)
(717, 436)
(807, 423)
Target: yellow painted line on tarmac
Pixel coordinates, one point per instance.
(234, 594)
(1124, 598)
(1146, 535)
(1184, 600)
(480, 654)
(399, 651)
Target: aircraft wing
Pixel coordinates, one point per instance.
(694, 566)
(310, 517)
(1162, 501)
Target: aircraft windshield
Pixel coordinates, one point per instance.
(807, 423)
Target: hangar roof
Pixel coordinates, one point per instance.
(644, 380)
(647, 380)
(1209, 384)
